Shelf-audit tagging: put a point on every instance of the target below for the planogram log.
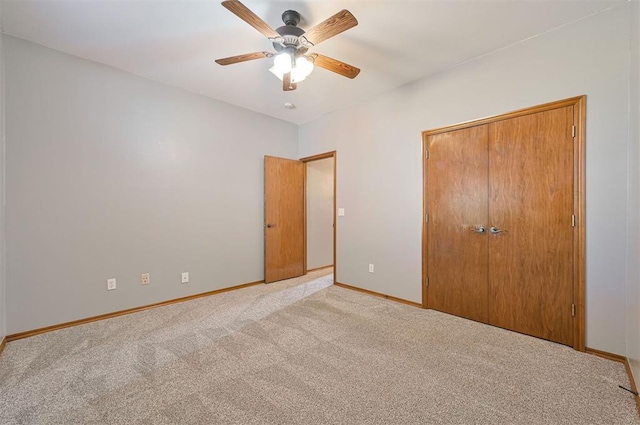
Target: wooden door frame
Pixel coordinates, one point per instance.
(579, 119)
(334, 155)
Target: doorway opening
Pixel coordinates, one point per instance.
(320, 212)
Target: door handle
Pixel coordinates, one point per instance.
(269, 226)
(479, 229)
(495, 230)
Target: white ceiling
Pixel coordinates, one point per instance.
(176, 42)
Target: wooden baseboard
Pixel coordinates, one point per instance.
(378, 294)
(632, 382)
(3, 342)
(320, 268)
(52, 328)
(606, 355)
(627, 366)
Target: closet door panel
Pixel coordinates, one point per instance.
(531, 207)
(457, 195)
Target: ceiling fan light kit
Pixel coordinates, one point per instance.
(291, 63)
(282, 65)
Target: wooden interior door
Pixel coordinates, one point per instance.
(284, 218)
(457, 196)
(531, 206)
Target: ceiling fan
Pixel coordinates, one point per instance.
(292, 63)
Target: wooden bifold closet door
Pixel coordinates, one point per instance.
(500, 207)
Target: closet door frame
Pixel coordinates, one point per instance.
(579, 119)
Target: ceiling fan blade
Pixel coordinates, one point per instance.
(243, 12)
(335, 65)
(336, 24)
(287, 85)
(243, 58)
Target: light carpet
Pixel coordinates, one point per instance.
(303, 352)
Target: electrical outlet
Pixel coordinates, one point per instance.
(146, 278)
(370, 268)
(185, 277)
(111, 284)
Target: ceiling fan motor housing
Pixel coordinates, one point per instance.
(290, 32)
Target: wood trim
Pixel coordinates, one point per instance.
(579, 190)
(335, 209)
(424, 222)
(627, 366)
(319, 156)
(632, 382)
(518, 113)
(334, 155)
(378, 294)
(3, 343)
(606, 355)
(304, 233)
(52, 328)
(579, 105)
(321, 268)
(264, 215)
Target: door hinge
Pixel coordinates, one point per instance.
(573, 310)
(426, 282)
(573, 131)
(573, 220)
(426, 154)
(426, 218)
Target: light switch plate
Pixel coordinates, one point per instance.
(185, 277)
(340, 212)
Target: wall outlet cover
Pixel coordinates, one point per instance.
(185, 277)
(145, 279)
(111, 284)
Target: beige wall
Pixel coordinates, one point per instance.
(379, 173)
(320, 213)
(111, 175)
